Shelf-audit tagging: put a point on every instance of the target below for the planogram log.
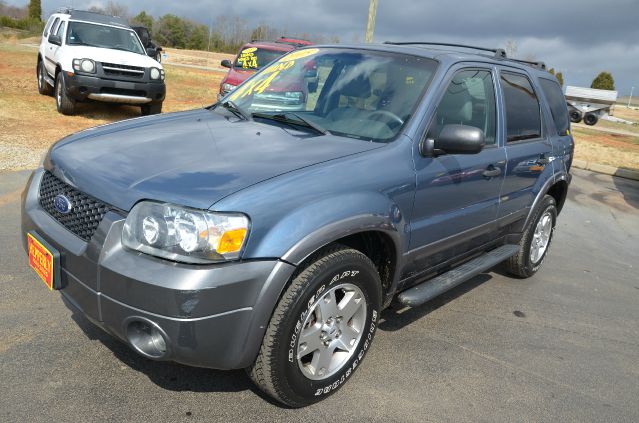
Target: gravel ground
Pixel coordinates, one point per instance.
(18, 157)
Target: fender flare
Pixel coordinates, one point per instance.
(562, 176)
(386, 223)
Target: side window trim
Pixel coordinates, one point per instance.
(543, 130)
(452, 72)
(62, 27)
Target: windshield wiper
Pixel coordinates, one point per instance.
(299, 120)
(236, 110)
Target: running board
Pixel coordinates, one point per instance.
(428, 290)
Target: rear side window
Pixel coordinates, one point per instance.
(523, 118)
(48, 27)
(53, 25)
(557, 104)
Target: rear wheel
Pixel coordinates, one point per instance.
(151, 109)
(590, 119)
(43, 86)
(64, 103)
(535, 241)
(575, 116)
(321, 328)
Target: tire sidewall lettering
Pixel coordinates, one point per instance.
(325, 387)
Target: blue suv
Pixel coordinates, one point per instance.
(254, 234)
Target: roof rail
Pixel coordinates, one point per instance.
(537, 65)
(499, 52)
(66, 10)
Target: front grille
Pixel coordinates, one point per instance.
(122, 70)
(86, 212)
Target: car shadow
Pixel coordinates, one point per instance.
(169, 375)
(106, 111)
(398, 316)
(629, 189)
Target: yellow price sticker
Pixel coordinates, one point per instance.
(299, 54)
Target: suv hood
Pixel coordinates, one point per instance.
(109, 55)
(190, 158)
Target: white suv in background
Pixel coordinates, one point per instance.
(90, 56)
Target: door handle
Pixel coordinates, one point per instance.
(543, 161)
(491, 172)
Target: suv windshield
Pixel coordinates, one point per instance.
(356, 93)
(252, 58)
(87, 34)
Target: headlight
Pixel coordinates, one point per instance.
(84, 65)
(157, 73)
(184, 234)
(228, 87)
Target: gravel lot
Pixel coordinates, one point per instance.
(560, 347)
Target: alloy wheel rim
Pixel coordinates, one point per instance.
(541, 238)
(331, 331)
(58, 92)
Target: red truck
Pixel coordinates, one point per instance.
(252, 57)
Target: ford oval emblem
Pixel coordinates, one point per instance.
(62, 204)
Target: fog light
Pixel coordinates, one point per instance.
(147, 338)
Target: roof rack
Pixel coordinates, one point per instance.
(499, 52)
(537, 65)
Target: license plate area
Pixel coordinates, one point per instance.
(44, 260)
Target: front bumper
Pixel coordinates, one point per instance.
(211, 316)
(83, 87)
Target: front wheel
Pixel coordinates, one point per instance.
(64, 103)
(321, 328)
(151, 109)
(43, 86)
(535, 240)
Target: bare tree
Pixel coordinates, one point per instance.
(511, 48)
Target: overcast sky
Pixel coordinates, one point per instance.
(579, 38)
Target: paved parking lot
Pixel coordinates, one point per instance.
(562, 346)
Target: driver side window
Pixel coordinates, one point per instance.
(469, 100)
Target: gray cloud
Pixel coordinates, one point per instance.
(580, 38)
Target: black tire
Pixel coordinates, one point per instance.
(43, 86)
(590, 119)
(64, 103)
(521, 264)
(276, 370)
(151, 109)
(575, 116)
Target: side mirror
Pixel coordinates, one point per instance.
(454, 139)
(151, 52)
(310, 73)
(226, 63)
(55, 39)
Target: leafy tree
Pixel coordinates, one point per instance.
(603, 81)
(170, 31)
(559, 75)
(198, 37)
(142, 19)
(35, 9)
